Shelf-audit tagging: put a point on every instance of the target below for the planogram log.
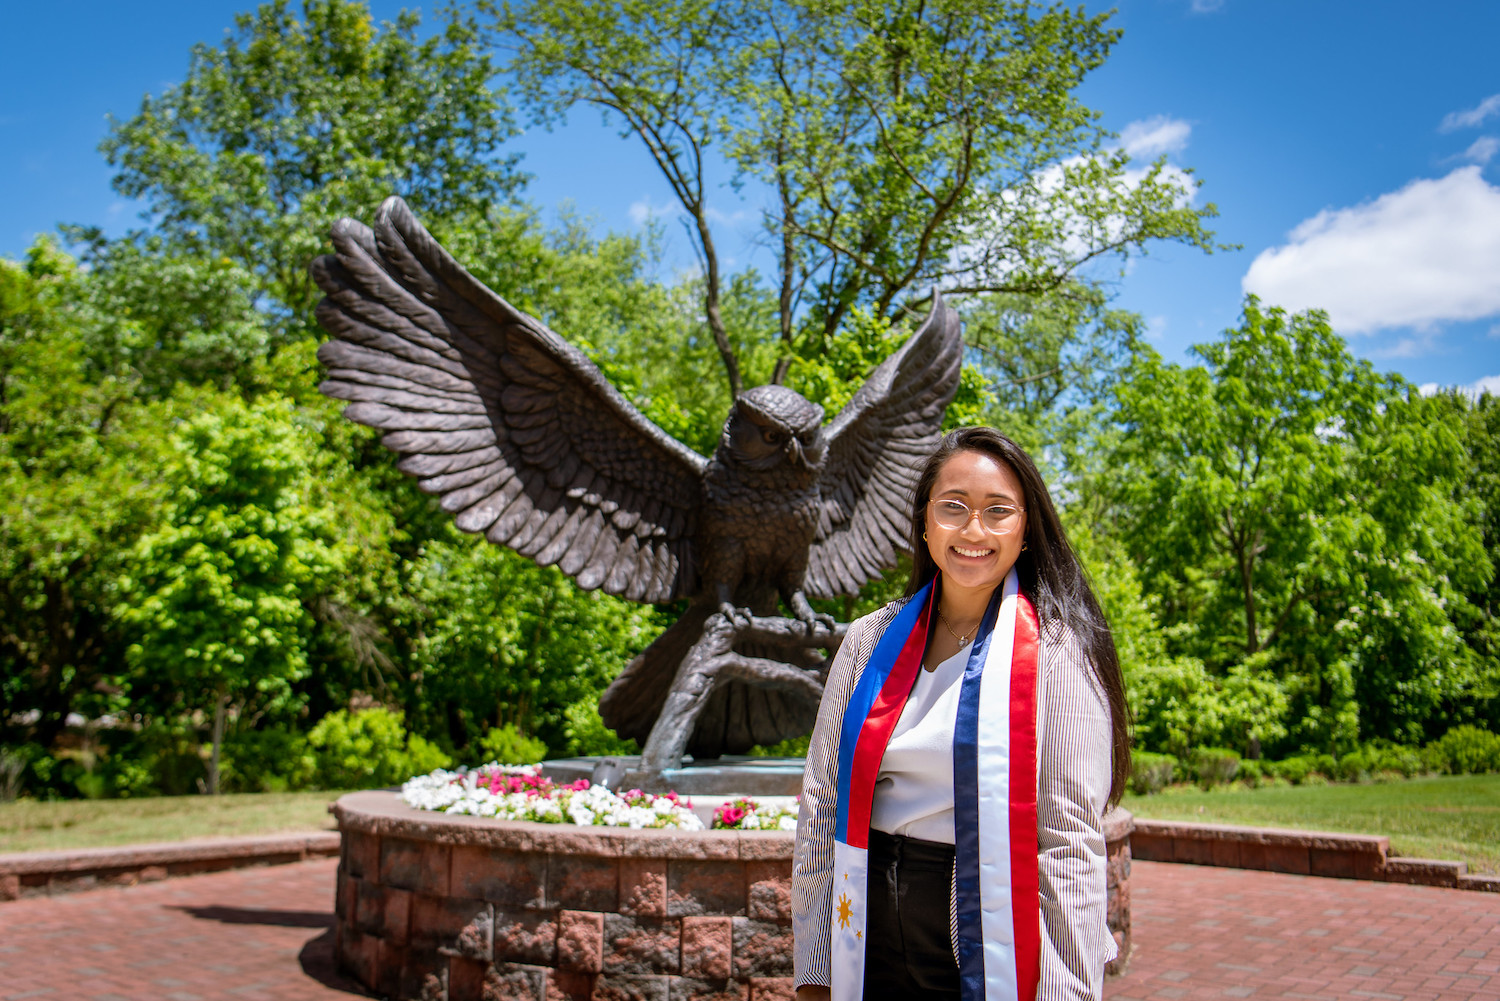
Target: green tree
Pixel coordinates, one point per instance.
(294, 122)
(78, 455)
(909, 145)
(214, 600)
(1299, 517)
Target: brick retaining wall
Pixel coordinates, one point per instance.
(39, 874)
(442, 908)
(1309, 853)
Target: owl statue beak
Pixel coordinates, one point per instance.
(794, 452)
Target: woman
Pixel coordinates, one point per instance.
(970, 736)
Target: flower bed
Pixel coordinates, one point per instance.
(522, 792)
(749, 815)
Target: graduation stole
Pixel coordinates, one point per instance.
(994, 795)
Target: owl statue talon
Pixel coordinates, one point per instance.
(739, 618)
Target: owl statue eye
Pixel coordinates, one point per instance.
(771, 437)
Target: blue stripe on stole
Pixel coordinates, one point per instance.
(867, 690)
(966, 810)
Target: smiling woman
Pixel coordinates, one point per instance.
(970, 738)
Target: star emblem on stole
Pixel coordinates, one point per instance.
(844, 911)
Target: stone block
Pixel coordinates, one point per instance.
(361, 855)
(641, 946)
(512, 880)
(515, 982)
(762, 949)
(153, 873)
(1424, 871)
(1193, 851)
(365, 908)
(525, 937)
(643, 887)
(692, 989)
(768, 895)
(630, 987)
(1151, 846)
(1225, 852)
(414, 865)
(705, 887)
(359, 955)
(580, 941)
(772, 989)
(1344, 863)
(10, 886)
(1280, 857)
(569, 985)
(1480, 882)
(583, 883)
(466, 978)
(455, 925)
(345, 896)
(707, 945)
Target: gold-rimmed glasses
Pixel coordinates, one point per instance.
(997, 519)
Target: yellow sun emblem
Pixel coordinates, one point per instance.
(844, 912)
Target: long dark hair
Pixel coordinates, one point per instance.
(1049, 572)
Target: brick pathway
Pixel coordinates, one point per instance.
(1206, 932)
(1200, 932)
(261, 934)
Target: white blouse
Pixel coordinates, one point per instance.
(914, 790)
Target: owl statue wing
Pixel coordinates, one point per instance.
(876, 447)
(516, 430)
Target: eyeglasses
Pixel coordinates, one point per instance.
(997, 519)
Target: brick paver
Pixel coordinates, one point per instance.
(1200, 932)
(1206, 932)
(262, 934)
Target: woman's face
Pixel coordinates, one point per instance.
(973, 558)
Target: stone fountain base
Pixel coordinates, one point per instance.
(452, 908)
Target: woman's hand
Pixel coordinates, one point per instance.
(812, 992)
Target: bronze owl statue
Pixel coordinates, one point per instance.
(524, 440)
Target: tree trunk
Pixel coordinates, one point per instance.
(221, 702)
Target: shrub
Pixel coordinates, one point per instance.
(587, 734)
(508, 746)
(1150, 773)
(1466, 750)
(369, 749)
(1354, 766)
(1252, 772)
(1405, 761)
(1215, 765)
(271, 760)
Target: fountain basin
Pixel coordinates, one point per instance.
(452, 908)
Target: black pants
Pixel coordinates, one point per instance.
(908, 949)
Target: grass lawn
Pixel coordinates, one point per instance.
(27, 825)
(1447, 817)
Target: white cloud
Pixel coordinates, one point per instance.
(643, 209)
(1474, 390)
(1206, 6)
(1482, 150)
(1425, 254)
(1474, 117)
(1156, 328)
(1151, 137)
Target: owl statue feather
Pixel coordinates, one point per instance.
(523, 439)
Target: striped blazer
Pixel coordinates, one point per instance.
(1073, 777)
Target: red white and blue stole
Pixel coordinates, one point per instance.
(994, 763)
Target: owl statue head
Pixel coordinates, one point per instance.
(771, 426)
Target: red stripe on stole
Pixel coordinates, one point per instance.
(1024, 879)
(878, 726)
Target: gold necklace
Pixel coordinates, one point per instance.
(961, 637)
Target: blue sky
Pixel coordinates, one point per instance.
(1353, 151)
